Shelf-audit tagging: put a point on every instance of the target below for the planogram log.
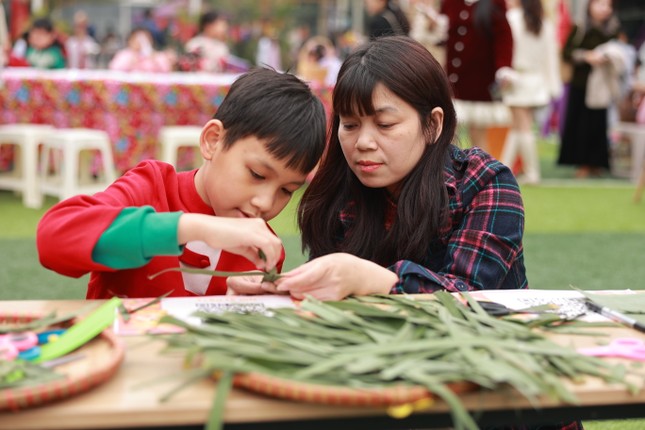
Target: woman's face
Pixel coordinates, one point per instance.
(600, 10)
(383, 148)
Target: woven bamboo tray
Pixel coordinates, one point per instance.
(336, 395)
(102, 357)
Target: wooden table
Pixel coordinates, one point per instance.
(131, 398)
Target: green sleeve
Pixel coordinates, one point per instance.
(135, 236)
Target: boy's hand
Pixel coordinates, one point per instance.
(336, 276)
(242, 236)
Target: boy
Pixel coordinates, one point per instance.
(266, 136)
(44, 51)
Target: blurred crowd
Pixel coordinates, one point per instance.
(563, 67)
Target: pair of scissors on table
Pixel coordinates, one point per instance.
(25, 345)
(624, 347)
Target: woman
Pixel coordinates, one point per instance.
(534, 82)
(584, 140)
(479, 49)
(394, 206)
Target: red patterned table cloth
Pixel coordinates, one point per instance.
(130, 107)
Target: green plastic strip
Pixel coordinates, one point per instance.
(81, 332)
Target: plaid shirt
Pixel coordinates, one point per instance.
(481, 247)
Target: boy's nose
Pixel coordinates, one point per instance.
(263, 202)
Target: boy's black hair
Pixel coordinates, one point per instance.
(280, 109)
(43, 24)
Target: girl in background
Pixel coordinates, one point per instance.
(140, 56)
(585, 142)
(534, 82)
(210, 44)
(479, 50)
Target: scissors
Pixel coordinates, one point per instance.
(25, 345)
(12, 344)
(499, 310)
(624, 347)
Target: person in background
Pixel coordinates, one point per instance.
(329, 61)
(318, 62)
(210, 43)
(150, 23)
(584, 142)
(386, 18)
(110, 45)
(81, 48)
(5, 40)
(423, 13)
(534, 82)
(43, 49)
(557, 11)
(140, 56)
(268, 52)
(266, 136)
(479, 52)
(639, 85)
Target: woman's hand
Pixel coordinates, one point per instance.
(249, 285)
(336, 276)
(241, 236)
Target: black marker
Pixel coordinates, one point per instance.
(615, 316)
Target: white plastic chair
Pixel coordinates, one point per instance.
(72, 174)
(173, 137)
(25, 139)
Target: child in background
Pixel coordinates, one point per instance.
(43, 50)
(210, 43)
(140, 56)
(395, 207)
(264, 139)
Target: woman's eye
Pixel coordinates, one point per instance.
(287, 192)
(385, 125)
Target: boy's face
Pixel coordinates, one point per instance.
(245, 180)
(40, 38)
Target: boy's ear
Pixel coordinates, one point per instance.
(211, 137)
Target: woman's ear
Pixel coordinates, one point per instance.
(436, 122)
(211, 138)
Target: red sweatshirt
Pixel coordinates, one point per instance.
(145, 203)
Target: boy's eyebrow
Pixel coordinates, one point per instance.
(274, 171)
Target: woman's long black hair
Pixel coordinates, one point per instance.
(533, 15)
(408, 70)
